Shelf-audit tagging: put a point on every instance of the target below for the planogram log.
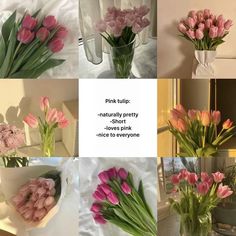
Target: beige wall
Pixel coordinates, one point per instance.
(19, 97)
(174, 53)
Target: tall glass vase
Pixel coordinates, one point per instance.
(48, 142)
(122, 58)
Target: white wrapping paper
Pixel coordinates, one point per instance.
(141, 168)
(66, 210)
(66, 11)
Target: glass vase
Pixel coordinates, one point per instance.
(48, 143)
(122, 58)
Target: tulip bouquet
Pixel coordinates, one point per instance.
(204, 29)
(52, 119)
(27, 45)
(199, 195)
(120, 203)
(196, 131)
(119, 29)
(11, 138)
(37, 197)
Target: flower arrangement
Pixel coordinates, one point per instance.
(119, 29)
(205, 30)
(11, 138)
(196, 131)
(120, 203)
(199, 195)
(52, 119)
(27, 45)
(37, 197)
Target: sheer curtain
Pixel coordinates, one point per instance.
(92, 11)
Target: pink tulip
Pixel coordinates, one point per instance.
(112, 173)
(205, 118)
(48, 184)
(51, 116)
(31, 121)
(145, 22)
(99, 219)
(42, 34)
(181, 109)
(192, 178)
(175, 179)
(203, 188)
(40, 203)
(96, 208)
(56, 45)
(29, 22)
(182, 28)
(223, 191)
(206, 13)
(112, 198)
(44, 103)
(199, 34)
(192, 114)
(182, 126)
(190, 33)
(190, 22)
(208, 23)
(183, 174)
(126, 188)
(220, 21)
(201, 26)
(61, 33)
(137, 28)
(50, 22)
(62, 121)
(200, 16)
(216, 117)
(228, 24)
(25, 36)
(142, 10)
(99, 196)
(28, 215)
(192, 14)
(106, 188)
(50, 200)
(101, 26)
(204, 177)
(123, 174)
(39, 214)
(227, 124)
(104, 177)
(221, 32)
(218, 177)
(213, 33)
(175, 114)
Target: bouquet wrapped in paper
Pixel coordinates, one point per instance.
(196, 131)
(119, 202)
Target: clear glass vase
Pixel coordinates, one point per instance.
(122, 58)
(48, 143)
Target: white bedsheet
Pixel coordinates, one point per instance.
(141, 168)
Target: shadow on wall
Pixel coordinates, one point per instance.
(185, 49)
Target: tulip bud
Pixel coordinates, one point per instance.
(216, 117)
(227, 124)
(223, 191)
(51, 116)
(44, 103)
(213, 33)
(106, 188)
(112, 173)
(123, 174)
(31, 121)
(192, 178)
(104, 177)
(205, 118)
(228, 24)
(182, 28)
(29, 22)
(112, 198)
(61, 33)
(50, 22)
(99, 219)
(126, 188)
(182, 126)
(96, 208)
(99, 196)
(203, 188)
(42, 34)
(199, 34)
(175, 179)
(56, 45)
(218, 177)
(25, 36)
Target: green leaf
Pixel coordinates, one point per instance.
(37, 72)
(36, 13)
(2, 50)
(7, 26)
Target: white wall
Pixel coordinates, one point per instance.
(19, 97)
(174, 53)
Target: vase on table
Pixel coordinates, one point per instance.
(122, 58)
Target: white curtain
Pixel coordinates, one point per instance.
(91, 11)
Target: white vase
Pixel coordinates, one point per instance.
(205, 63)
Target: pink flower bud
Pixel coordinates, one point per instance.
(62, 121)
(201, 26)
(221, 32)
(206, 13)
(182, 126)
(112, 173)
(190, 33)
(123, 174)
(216, 117)
(112, 198)
(50, 22)
(106, 188)
(49, 201)
(175, 179)
(203, 188)
(213, 33)
(42, 34)
(205, 118)
(29, 22)
(199, 34)
(223, 191)
(31, 121)
(39, 214)
(28, 215)
(208, 23)
(228, 24)
(126, 188)
(104, 177)
(101, 26)
(190, 22)
(227, 124)
(51, 116)
(180, 108)
(192, 178)
(99, 196)
(40, 203)
(25, 36)
(96, 208)
(220, 21)
(182, 28)
(183, 174)
(192, 114)
(56, 45)
(218, 177)
(99, 219)
(61, 33)
(44, 103)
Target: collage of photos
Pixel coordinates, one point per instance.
(117, 118)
